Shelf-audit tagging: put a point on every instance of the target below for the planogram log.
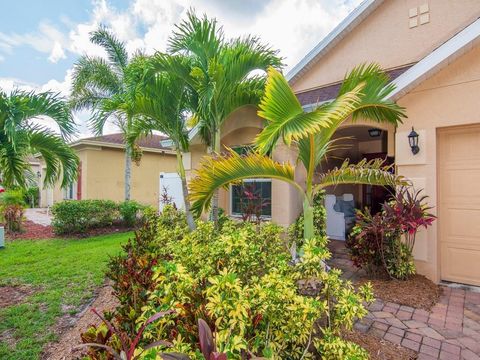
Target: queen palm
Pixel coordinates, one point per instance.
(162, 103)
(22, 135)
(105, 87)
(220, 71)
(363, 94)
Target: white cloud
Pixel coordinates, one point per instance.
(57, 53)
(293, 27)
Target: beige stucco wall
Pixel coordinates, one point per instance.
(103, 175)
(447, 99)
(386, 38)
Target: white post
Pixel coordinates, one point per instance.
(2, 237)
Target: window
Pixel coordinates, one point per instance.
(254, 194)
(70, 192)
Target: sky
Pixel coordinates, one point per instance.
(40, 40)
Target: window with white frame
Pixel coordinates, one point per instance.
(251, 195)
(70, 192)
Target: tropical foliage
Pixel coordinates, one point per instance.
(106, 87)
(363, 94)
(221, 72)
(163, 102)
(382, 243)
(24, 133)
(245, 289)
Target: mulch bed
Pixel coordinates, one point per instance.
(380, 349)
(33, 231)
(12, 295)
(70, 327)
(417, 291)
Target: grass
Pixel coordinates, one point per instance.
(64, 274)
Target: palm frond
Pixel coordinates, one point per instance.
(116, 50)
(374, 103)
(241, 56)
(95, 75)
(60, 159)
(13, 159)
(199, 36)
(372, 172)
(31, 105)
(247, 92)
(286, 117)
(215, 173)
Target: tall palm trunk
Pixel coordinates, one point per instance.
(181, 172)
(215, 151)
(128, 171)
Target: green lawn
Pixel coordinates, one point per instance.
(64, 272)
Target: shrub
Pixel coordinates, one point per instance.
(295, 231)
(31, 196)
(383, 243)
(241, 282)
(76, 216)
(129, 211)
(12, 207)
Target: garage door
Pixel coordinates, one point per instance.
(459, 204)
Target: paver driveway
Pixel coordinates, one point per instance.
(451, 330)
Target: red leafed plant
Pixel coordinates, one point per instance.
(252, 204)
(409, 212)
(207, 344)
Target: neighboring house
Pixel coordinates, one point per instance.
(102, 169)
(431, 51)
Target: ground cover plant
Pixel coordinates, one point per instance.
(61, 276)
(240, 281)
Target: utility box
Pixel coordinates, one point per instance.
(2, 237)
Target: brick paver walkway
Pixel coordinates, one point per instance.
(451, 330)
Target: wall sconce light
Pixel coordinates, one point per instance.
(374, 132)
(39, 174)
(413, 141)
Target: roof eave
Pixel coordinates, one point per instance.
(335, 36)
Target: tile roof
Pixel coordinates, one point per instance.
(329, 92)
(151, 141)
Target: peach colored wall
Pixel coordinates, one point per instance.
(385, 37)
(103, 175)
(447, 99)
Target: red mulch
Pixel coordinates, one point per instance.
(380, 349)
(417, 291)
(33, 231)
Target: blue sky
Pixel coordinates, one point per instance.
(40, 40)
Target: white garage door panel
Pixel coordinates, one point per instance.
(459, 204)
(172, 184)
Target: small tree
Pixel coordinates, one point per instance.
(363, 94)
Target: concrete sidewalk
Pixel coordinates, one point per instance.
(39, 216)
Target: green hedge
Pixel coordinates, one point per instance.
(75, 216)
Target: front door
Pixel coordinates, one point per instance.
(375, 196)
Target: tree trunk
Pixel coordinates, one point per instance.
(128, 171)
(215, 151)
(186, 201)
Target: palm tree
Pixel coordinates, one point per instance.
(221, 71)
(22, 135)
(363, 94)
(163, 103)
(106, 87)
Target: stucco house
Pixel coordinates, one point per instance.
(101, 171)
(431, 52)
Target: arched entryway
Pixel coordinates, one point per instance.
(355, 142)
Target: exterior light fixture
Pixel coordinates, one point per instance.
(413, 141)
(374, 132)
(39, 174)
